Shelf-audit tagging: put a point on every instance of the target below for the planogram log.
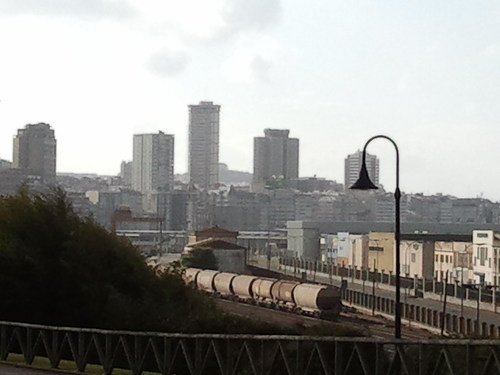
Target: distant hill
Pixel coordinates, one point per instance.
(226, 176)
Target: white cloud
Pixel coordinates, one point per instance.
(493, 50)
(195, 21)
(168, 62)
(251, 14)
(252, 61)
(94, 9)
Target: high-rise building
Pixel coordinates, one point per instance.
(126, 172)
(203, 163)
(153, 162)
(275, 157)
(35, 150)
(5, 164)
(353, 165)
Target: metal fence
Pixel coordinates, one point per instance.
(419, 284)
(245, 354)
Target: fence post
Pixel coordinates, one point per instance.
(494, 298)
(415, 285)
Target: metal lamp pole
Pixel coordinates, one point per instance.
(364, 183)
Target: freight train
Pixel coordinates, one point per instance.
(302, 298)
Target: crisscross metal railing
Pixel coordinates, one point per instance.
(199, 354)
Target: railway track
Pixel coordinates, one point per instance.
(376, 327)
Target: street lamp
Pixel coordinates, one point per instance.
(364, 183)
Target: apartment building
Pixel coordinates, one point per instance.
(485, 255)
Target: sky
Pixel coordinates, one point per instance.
(425, 73)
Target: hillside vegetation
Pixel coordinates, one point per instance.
(59, 269)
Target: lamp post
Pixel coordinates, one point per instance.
(364, 183)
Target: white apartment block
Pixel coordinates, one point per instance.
(203, 163)
(485, 255)
(153, 162)
(275, 156)
(411, 258)
(352, 166)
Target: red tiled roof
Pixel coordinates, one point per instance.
(215, 244)
(215, 232)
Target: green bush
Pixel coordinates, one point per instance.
(57, 268)
(200, 258)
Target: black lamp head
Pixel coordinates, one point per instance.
(363, 182)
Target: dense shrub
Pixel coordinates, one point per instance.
(200, 258)
(56, 268)
(59, 269)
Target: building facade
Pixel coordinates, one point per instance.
(126, 173)
(485, 257)
(276, 156)
(35, 150)
(303, 240)
(352, 166)
(203, 157)
(153, 162)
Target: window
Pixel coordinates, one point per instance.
(482, 235)
(413, 258)
(442, 258)
(376, 248)
(482, 255)
(437, 258)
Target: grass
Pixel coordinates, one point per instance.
(65, 366)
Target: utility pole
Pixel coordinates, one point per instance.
(478, 303)
(444, 303)
(373, 288)
(462, 287)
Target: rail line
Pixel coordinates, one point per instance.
(376, 327)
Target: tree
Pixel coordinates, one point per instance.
(203, 258)
(59, 269)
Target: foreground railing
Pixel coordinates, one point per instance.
(245, 354)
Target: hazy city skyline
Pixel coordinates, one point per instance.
(334, 73)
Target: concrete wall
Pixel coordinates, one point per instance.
(303, 239)
(231, 260)
(381, 251)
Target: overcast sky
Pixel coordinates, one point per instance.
(424, 72)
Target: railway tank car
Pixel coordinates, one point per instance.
(190, 274)
(319, 300)
(308, 299)
(223, 283)
(261, 288)
(205, 280)
(242, 286)
(282, 292)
